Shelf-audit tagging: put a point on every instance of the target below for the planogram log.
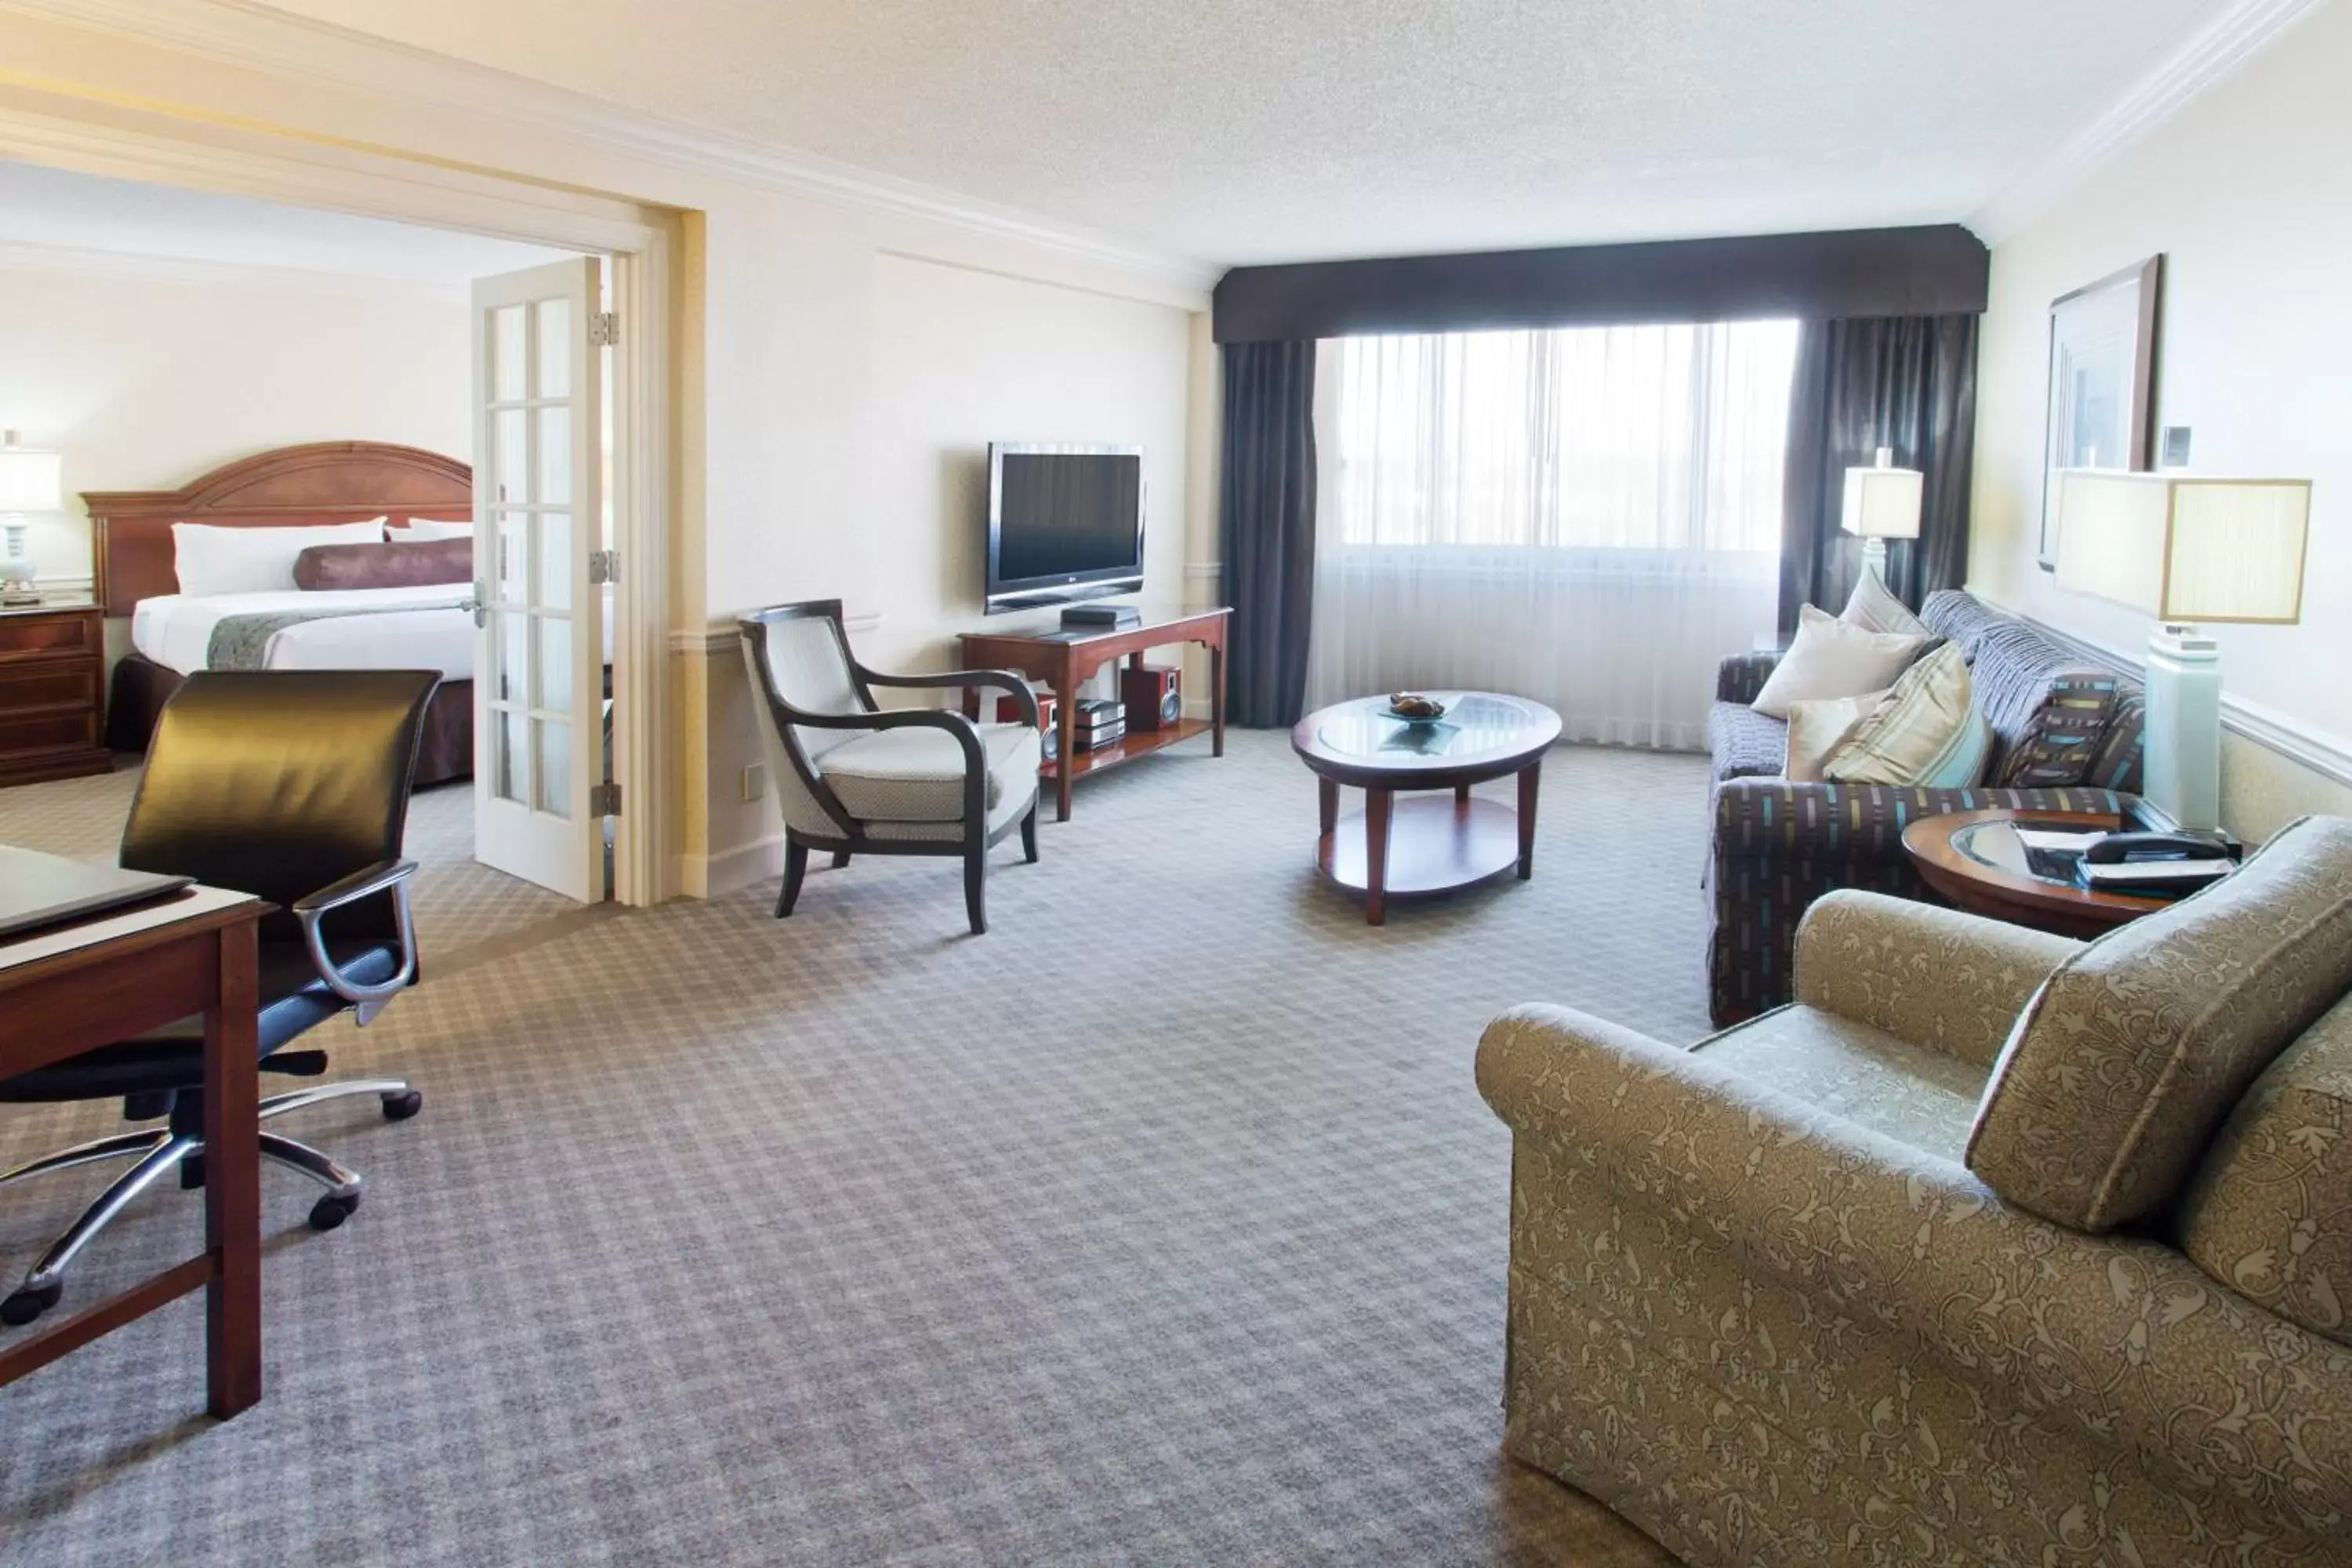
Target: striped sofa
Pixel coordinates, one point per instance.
(2066, 737)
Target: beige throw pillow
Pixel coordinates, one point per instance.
(1830, 659)
(1906, 733)
(1816, 727)
(1874, 607)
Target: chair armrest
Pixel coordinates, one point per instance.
(1006, 679)
(383, 877)
(1929, 974)
(1740, 678)
(2122, 1338)
(1775, 819)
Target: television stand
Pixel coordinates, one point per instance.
(1067, 658)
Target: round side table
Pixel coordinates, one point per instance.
(1974, 858)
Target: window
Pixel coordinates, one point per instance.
(1657, 438)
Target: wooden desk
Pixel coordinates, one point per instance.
(1067, 660)
(103, 980)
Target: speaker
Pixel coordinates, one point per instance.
(1153, 697)
(1008, 712)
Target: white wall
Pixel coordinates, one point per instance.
(2248, 194)
(145, 384)
(780, 405)
(961, 358)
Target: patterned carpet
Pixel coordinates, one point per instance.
(1162, 1224)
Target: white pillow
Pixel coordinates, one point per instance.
(417, 528)
(1874, 607)
(1830, 659)
(1818, 726)
(209, 559)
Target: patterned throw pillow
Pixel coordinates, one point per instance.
(1874, 607)
(1914, 731)
(2062, 742)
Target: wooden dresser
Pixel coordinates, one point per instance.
(52, 692)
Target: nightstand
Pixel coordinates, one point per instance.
(52, 692)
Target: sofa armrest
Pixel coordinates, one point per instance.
(1740, 678)
(1772, 819)
(2123, 1338)
(1930, 976)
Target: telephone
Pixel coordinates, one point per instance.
(2122, 848)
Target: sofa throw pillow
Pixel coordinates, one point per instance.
(1830, 659)
(2137, 1047)
(1816, 727)
(2062, 742)
(1874, 607)
(1908, 732)
(331, 567)
(1965, 759)
(2266, 1214)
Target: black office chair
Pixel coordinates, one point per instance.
(291, 785)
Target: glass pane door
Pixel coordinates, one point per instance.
(539, 656)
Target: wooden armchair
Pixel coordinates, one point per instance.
(854, 778)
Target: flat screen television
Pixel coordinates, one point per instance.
(1065, 523)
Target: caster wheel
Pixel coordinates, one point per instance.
(401, 1107)
(331, 1211)
(192, 1172)
(29, 1303)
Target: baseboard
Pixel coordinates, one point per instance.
(730, 870)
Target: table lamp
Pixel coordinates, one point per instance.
(30, 482)
(1882, 503)
(2186, 551)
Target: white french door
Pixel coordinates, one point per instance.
(539, 658)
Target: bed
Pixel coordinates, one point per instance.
(173, 634)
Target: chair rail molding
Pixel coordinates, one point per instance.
(257, 37)
(726, 638)
(2236, 32)
(2326, 755)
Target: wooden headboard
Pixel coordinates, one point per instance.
(325, 481)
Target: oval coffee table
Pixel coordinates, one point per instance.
(1426, 845)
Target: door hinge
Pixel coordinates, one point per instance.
(604, 799)
(603, 328)
(603, 566)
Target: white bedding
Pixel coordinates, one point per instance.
(176, 630)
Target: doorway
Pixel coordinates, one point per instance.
(639, 246)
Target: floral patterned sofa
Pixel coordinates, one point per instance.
(2066, 737)
(1992, 1248)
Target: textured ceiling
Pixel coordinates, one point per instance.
(56, 209)
(1237, 131)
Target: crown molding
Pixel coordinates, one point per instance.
(256, 38)
(2220, 48)
(76, 261)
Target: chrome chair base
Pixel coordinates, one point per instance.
(156, 1152)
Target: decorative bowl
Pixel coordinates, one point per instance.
(1414, 708)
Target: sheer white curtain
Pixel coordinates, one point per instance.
(1589, 517)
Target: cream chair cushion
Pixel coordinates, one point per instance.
(2269, 1212)
(915, 773)
(2138, 1047)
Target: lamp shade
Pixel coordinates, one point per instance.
(2183, 548)
(1882, 503)
(30, 480)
